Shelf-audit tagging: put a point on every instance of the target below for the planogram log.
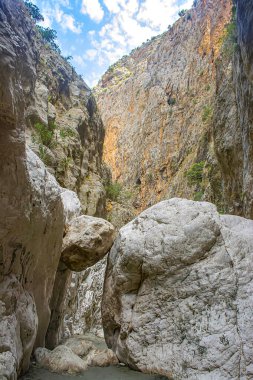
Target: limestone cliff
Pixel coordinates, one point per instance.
(157, 105)
(32, 218)
(36, 211)
(66, 130)
(232, 126)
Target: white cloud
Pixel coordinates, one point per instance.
(115, 6)
(160, 13)
(91, 54)
(79, 60)
(66, 21)
(93, 9)
(131, 23)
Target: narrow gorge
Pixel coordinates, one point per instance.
(127, 209)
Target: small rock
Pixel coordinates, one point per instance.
(79, 346)
(103, 358)
(61, 359)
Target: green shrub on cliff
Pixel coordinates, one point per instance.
(182, 13)
(34, 11)
(45, 133)
(229, 39)
(49, 36)
(207, 113)
(113, 191)
(195, 173)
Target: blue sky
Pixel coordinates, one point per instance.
(96, 33)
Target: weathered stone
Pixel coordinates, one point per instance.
(79, 346)
(233, 115)
(61, 359)
(156, 105)
(31, 225)
(103, 358)
(82, 307)
(177, 293)
(71, 204)
(87, 241)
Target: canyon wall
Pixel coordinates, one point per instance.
(157, 106)
(232, 124)
(47, 114)
(31, 208)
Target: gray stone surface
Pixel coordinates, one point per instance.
(87, 240)
(177, 295)
(61, 360)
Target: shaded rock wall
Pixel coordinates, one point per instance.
(234, 119)
(65, 106)
(32, 219)
(39, 92)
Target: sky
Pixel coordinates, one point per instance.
(96, 33)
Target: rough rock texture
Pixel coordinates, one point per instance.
(87, 240)
(64, 105)
(82, 306)
(31, 201)
(72, 210)
(32, 218)
(157, 105)
(177, 295)
(233, 119)
(75, 355)
(61, 359)
(103, 358)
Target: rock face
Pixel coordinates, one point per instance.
(157, 105)
(177, 295)
(34, 208)
(233, 116)
(66, 131)
(32, 218)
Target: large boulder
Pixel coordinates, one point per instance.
(178, 293)
(87, 241)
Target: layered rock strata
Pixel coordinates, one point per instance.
(177, 294)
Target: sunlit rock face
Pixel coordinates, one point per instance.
(177, 294)
(157, 105)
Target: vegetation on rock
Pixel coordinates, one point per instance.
(113, 190)
(34, 11)
(45, 133)
(195, 173)
(49, 36)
